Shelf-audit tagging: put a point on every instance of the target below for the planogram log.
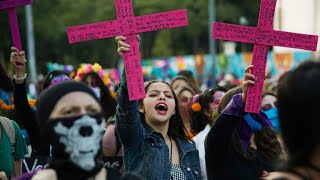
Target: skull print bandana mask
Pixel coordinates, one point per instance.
(77, 140)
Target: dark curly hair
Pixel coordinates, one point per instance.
(298, 96)
(200, 119)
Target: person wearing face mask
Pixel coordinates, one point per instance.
(24, 113)
(97, 80)
(269, 107)
(238, 147)
(151, 130)
(74, 127)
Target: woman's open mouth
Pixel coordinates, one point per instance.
(161, 108)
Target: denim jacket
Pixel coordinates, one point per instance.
(145, 151)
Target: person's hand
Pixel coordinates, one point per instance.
(265, 174)
(122, 46)
(278, 175)
(3, 176)
(18, 60)
(249, 79)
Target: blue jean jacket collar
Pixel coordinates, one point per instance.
(184, 147)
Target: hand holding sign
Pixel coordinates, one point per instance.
(249, 79)
(262, 37)
(18, 60)
(11, 5)
(128, 25)
(122, 46)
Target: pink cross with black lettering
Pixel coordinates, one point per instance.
(263, 36)
(11, 5)
(129, 25)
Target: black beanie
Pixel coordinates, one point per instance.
(49, 97)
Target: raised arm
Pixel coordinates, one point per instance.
(219, 141)
(128, 119)
(23, 110)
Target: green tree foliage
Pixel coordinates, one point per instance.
(52, 17)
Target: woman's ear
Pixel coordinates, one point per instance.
(141, 109)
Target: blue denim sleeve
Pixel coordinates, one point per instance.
(128, 120)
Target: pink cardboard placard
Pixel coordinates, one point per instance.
(266, 14)
(94, 31)
(231, 32)
(254, 93)
(254, 35)
(13, 3)
(124, 27)
(287, 39)
(132, 66)
(10, 5)
(262, 37)
(158, 21)
(127, 25)
(124, 9)
(15, 34)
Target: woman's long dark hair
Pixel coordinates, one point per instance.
(298, 96)
(200, 119)
(107, 102)
(5, 81)
(266, 140)
(176, 127)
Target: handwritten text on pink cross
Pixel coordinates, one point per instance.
(11, 5)
(128, 25)
(262, 37)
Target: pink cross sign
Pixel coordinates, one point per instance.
(129, 25)
(11, 5)
(263, 36)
